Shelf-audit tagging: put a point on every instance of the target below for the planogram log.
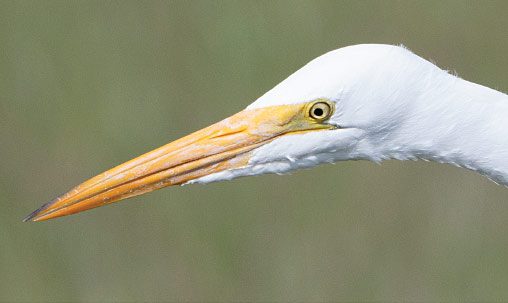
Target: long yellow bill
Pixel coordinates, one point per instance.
(222, 146)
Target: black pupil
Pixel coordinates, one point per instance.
(318, 112)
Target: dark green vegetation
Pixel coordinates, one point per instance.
(87, 85)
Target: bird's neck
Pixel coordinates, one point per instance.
(460, 123)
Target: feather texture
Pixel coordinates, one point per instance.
(390, 104)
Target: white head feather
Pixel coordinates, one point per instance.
(390, 104)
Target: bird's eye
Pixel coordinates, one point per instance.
(320, 110)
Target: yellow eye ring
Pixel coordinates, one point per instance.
(320, 110)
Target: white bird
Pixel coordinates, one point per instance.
(371, 102)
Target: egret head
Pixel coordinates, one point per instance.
(337, 107)
(371, 90)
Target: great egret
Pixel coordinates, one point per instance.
(370, 101)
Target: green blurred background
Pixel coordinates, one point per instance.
(87, 85)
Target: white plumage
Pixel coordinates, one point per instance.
(390, 104)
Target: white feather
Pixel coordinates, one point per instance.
(390, 104)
